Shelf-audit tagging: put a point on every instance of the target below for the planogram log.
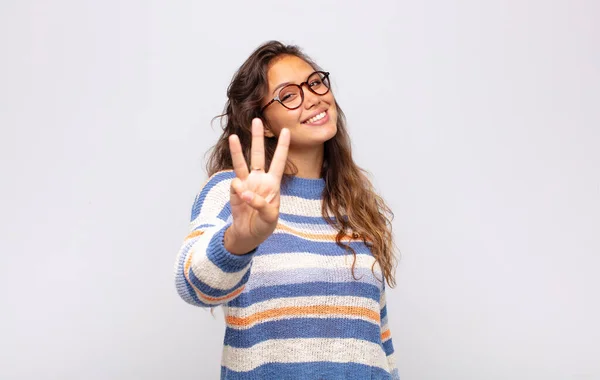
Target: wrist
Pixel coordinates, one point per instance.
(235, 245)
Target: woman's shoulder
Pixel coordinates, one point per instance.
(219, 177)
(216, 185)
(214, 193)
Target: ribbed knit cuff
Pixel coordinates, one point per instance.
(225, 260)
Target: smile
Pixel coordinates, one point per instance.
(316, 118)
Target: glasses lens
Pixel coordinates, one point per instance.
(290, 96)
(319, 83)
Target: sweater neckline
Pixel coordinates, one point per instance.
(303, 187)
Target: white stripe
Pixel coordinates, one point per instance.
(277, 303)
(300, 206)
(205, 270)
(301, 350)
(301, 276)
(391, 360)
(296, 260)
(384, 323)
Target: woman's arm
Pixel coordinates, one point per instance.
(386, 337)
(206, 274)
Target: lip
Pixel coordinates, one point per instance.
(318, 122)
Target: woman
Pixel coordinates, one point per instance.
(296, 247)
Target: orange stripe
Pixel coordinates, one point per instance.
(186, 267)
(303, 310)
(386, 334)
(323, 237)
(193, 234)
(217, 299)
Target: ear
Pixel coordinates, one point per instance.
(268, 133)
(267, 129)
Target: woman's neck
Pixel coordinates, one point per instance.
(309, 161)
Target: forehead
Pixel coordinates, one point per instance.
(288, 69)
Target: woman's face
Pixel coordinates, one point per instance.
(306, 131)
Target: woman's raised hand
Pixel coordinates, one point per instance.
(255, 195)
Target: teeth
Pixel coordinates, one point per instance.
(316, 118)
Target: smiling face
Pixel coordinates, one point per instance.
(311, 124)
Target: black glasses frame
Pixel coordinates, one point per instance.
(325, 77)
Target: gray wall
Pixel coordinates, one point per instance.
(479, 120)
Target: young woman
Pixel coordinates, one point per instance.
(297, 246)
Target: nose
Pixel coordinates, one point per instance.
(310, 99)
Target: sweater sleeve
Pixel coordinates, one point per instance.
(206, 274)
(386, 337)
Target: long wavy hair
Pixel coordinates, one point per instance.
(348, 195)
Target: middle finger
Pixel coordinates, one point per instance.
(257, 150)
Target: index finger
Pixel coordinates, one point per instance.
(237, 157)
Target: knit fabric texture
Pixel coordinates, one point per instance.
(293, 309)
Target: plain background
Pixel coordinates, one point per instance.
(479, 121)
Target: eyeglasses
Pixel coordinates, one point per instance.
(291, 96)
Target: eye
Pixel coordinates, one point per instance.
(288, 96)
(316, 82)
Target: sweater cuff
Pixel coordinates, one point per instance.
(225, 260)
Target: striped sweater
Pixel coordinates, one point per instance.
(292, 307)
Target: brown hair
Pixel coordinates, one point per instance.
(347, 189)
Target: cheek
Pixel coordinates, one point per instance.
(331, 101)
(329, 98)
(287, 117)
(284, 119)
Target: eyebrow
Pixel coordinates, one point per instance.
(279, 86)
(286, 83)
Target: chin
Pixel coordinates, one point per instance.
(328, 132)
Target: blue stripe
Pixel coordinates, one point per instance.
(303, 328)
(225, 212)
(193, 297)
(388, 347)
(212, 292)
(292, 218)
(285, 242)
(384, 312)
(308, 371)
(204, 226)
(223, 259)
(305, 188)
(356, 289)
